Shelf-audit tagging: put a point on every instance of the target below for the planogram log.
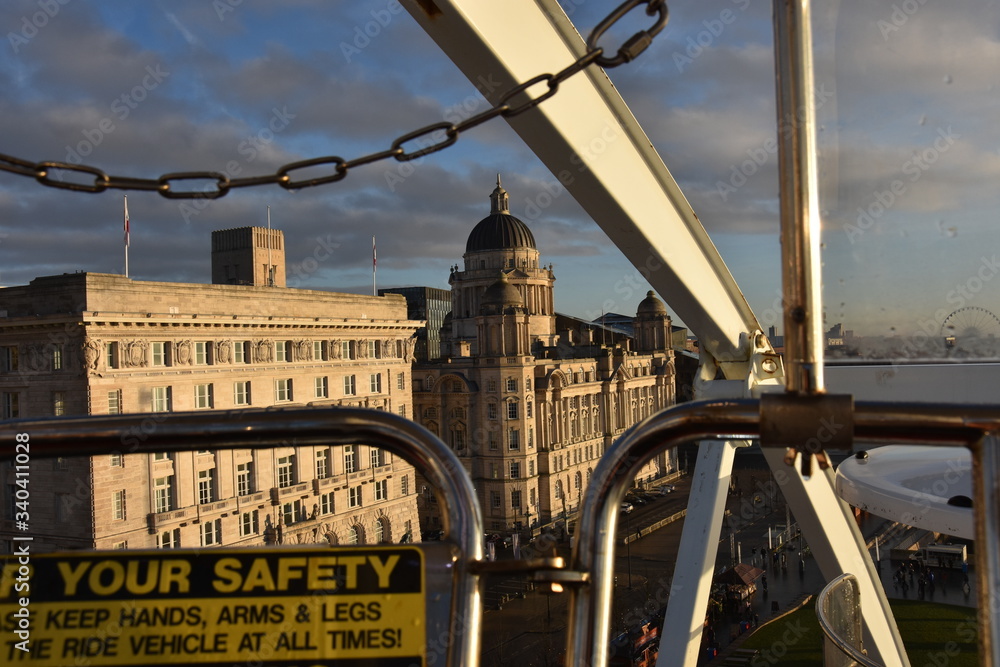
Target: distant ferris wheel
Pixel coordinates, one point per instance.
(970, 323)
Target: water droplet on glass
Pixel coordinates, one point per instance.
(947, 78)
(922, 119)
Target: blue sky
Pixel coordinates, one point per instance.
(156, 87)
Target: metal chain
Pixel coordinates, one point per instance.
(506, 107)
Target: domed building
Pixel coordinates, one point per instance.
(530, 399)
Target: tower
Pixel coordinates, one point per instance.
(501, 244)
(248, 256)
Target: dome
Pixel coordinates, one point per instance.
(502, 294)
(499, 230)
(651, 306)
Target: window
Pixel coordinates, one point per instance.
(354, 496)
(58, 403)
(249, 524)
(159, 351)
(161, 399)
(241, 352)
(321, 387)
(373, 351)
(118, 505)
(515, 469)
(495, 500)
(201, 352)
(8, 358)
(382, 489)
(350, 463)
(203, 397)
(115, 402)
(57, 358)
(350, 386)
(511, 384)
(491, 410)
(402, 410)
(319, 350)
(458, 437)
(117, 460)
(527, 409)
(531, 468)
(348, 350)
(381, 532)
(10, 405)
(401, 381)
(323, 464)
(353, 535)
(513, 439)
(559, 489)
(491, 385)
(531, 497)
(377, 457)
(531, 437)
(375, 383)
(430, 413)
(120, 545)
(281, 351)
(511, 410)
(163, 494)
(244, 478)
(515, 498)
(170, 539)
(457, 386)
(404, 485)
(241, 392)
(494, 441)
(211, 533)
(161, 456)
(206, 489)
(282, 390)
(326, 505)
(286, 471)
(292, 512)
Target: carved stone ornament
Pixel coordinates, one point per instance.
(134, 353)
(184, 352)
(91, 355)
(263, 351)
(223, 351)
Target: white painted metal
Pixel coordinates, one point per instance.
(829, 527)
(589, 140)
(912, 485)
(692, 583)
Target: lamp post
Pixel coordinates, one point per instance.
(628, 548)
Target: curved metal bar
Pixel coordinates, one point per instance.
(238, 429)
(590, 605)
(827, 626)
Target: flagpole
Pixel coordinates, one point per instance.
(270, 280)
(374, 262)
(126, 236)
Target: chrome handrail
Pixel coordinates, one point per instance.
(913, 423)
(262, 428)
(827, 624)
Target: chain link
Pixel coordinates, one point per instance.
(442, 134)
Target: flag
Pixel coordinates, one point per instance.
(373, 253)
(126, 221)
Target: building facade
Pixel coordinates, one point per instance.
(429, 304)
(530, 407)
(93, 344)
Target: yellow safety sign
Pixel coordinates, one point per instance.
(285, 607)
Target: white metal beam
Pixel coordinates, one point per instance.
(589, 140)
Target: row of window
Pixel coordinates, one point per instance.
(284, 391)
(39, 357)
(496, 499)
(203, 353)
(293, 511)
(457, 386)
(513, 469)
(249, 524)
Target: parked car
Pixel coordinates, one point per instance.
(634, 499)
(644, 494)
(665, 489)
(627, 508)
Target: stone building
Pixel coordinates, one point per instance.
(528, 399)
(92, 344)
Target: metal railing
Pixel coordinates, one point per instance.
(838, 609)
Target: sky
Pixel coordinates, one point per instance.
(907, 97)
